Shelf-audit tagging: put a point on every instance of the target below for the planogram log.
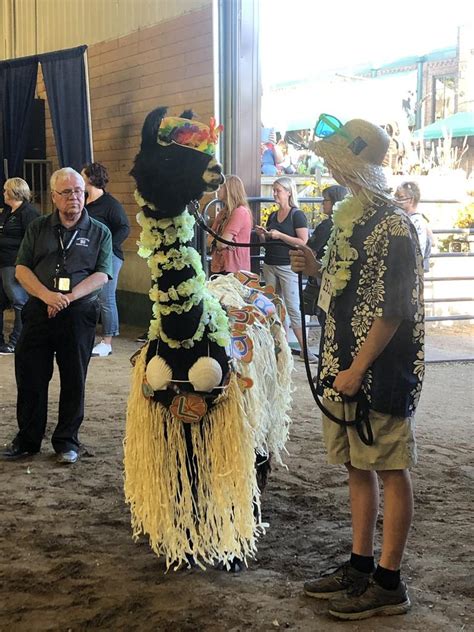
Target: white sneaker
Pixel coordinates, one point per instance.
(102, 350)
(68, 457)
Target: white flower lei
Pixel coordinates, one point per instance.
(339, 254)
(167, 232)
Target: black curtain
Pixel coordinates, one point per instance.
(17, 91)
(66, 88)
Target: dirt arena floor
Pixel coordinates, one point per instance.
(68, 561)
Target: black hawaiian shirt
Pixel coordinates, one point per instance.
(386, 281)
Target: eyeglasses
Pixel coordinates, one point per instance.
(67, 193)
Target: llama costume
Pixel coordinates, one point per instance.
(211, 388)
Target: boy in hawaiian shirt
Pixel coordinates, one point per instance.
(372, 351)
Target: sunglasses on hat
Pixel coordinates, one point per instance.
(327, 125)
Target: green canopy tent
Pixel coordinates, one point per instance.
(458, 125)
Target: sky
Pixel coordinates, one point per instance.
(304, 38)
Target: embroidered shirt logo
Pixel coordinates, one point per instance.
(82, 241)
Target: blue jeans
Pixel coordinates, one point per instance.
(11, 294)
(108, 305)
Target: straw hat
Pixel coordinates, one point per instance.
(357, 150)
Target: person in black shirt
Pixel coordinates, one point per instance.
(105, 208)
(320, 236)
(289, 227)
(14, 219)
(63, 261)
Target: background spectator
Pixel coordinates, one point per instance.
(233, 223)
(271, 154)
(14, 219)
(105, 208)
(288, 226)
(408, 196)
(320, 235)
(286, 165)
(317, 242)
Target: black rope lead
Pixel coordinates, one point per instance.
(362, 408)
(199, 217)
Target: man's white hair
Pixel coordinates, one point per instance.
(64, 173)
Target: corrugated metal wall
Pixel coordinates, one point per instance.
(29, 27)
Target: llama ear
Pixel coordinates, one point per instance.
(188, 114)
(151, 126)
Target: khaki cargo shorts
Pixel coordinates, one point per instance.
(394, 446)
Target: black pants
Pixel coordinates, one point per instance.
(69, 335)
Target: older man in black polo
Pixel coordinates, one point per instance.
(63, 261)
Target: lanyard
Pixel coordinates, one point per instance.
(64, 248)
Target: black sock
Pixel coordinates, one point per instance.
(362, 563)
(386, 578)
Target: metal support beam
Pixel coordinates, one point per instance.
(240, 90)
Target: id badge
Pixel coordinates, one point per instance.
(62, 283)
(325, 292)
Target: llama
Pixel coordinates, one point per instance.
(212, 386)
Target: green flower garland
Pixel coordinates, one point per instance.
(173, 232)
(339, 254)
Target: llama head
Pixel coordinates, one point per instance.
(175, 164)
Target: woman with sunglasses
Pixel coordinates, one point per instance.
(317, 242)
(288, 228)
(320, 235)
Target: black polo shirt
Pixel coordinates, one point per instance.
(13, 225)
(90, 249)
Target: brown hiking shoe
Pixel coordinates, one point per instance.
(330, 584)
(368, 599)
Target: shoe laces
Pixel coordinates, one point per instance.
(359, 586)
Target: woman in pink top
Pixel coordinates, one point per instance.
(233, 223)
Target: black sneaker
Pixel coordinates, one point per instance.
(15, 451)
(369, 599)
(343, 578)
(6, 349)
(142, 338)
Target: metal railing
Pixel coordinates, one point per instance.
(37, 173)
(258, 257)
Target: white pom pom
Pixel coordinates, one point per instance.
(205, 374)
(158, 374)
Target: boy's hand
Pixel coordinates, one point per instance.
(304, 260)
